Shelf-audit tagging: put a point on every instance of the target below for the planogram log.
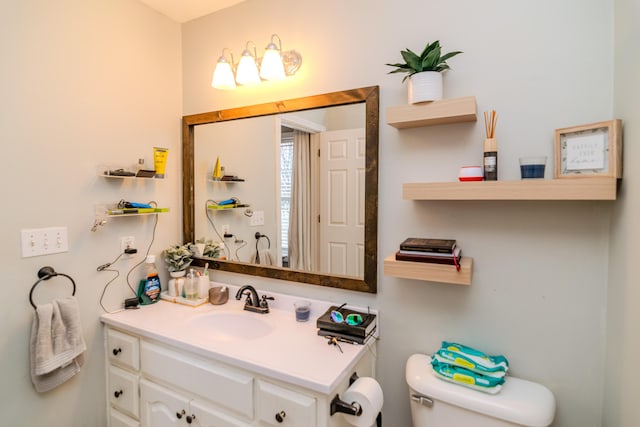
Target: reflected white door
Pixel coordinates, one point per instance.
(342, 180)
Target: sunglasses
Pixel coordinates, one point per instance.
(353, 319)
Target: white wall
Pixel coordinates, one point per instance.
(98, 81)
(83, 82)
(623, 343)
(541, 268)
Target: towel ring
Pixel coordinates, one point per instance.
(46, 273)
(259, 236)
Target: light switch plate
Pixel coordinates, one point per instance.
(44, 241)
(257, 218)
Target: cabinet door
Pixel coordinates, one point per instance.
(123, 349)
(161, 407)
(117, 419)
(210, 417)
(278, 406)
(123, 390)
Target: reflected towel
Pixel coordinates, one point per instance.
(57, 344)
(262, 257)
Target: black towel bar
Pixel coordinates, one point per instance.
(46, 273)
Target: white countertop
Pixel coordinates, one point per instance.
(291, 352)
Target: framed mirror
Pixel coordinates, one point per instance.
(251, 147)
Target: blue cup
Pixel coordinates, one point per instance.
(532, 167)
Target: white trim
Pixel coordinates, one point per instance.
(299, 123)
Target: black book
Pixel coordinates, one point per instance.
(428, 245)
(325, 323)
(345, 337)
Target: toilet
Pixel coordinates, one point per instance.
(438, 403)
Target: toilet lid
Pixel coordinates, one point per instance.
(520, 401)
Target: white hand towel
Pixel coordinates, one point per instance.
(56, 343)
(264, 256)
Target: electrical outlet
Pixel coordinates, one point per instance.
(127, 242)
(44, 241)
(225, 229)
(257, 218)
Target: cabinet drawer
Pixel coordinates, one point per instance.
(118, 419)
(278, 406)
(123, 390)
(224, 385)
(123, 349)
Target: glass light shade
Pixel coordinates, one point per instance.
(247, 73)
(223, 76)
(272, 67)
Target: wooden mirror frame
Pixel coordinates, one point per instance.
(367, 95)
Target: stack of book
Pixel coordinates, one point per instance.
(358, 334)
(436, 251)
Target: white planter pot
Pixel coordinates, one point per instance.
(425, 86)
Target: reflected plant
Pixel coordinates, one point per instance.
(178, 257)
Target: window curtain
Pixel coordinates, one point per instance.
(302, 226)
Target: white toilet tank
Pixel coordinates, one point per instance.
(438, 403)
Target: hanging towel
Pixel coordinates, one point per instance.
(57, 344)
(262, 257)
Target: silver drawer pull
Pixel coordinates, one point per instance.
(422, 400)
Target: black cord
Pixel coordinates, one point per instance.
(227, 251)
(105, 267)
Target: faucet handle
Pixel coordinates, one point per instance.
(263, 301)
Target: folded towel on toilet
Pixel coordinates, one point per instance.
(472, 359)
(467, 378)
(469, 367)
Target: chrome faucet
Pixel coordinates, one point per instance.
(254, 302)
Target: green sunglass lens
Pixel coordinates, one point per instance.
(354, 319)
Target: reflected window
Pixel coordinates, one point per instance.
(286, 174)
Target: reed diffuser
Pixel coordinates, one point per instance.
(490, 147)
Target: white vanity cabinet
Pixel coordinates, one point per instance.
(155, 384)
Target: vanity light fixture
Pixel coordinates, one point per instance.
(223, 74)
(274, 66)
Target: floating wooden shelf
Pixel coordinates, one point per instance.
(432, 113)
(593, 188)
(430, 272)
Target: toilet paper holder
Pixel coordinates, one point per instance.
(338, 405)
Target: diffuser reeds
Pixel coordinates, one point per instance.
(490, 121)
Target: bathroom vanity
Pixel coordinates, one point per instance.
(222, 366)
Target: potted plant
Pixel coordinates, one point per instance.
(177, 258)
(424, 71)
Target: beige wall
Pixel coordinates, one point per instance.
(83, 82)
(541, 268)
(99, 81)
(623, 317)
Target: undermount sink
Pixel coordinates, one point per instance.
(231, 326)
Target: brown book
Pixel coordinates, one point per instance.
(428, 245)
(454, 259)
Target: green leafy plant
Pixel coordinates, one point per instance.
(430, 59)
(178, 257)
